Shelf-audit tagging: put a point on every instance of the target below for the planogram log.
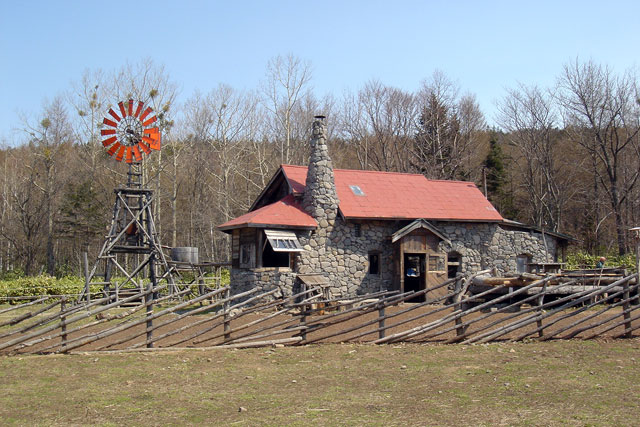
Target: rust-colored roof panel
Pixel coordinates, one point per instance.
(391, 195)
(286, 212)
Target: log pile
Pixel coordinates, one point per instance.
(564, 283)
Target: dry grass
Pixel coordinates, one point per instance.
(555, 383)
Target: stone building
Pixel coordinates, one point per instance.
(365, 231)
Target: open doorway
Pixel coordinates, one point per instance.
(414, 275)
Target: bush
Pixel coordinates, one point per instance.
(14, 274)
(42, 285)
(577, 260)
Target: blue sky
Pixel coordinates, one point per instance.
(484, 46)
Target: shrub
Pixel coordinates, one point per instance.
(42, 285)
(580, 259)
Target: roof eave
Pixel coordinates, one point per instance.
(418, 223)
(228, 228)
(516, 224)
(405, 218)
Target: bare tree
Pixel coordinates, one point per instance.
(287, 82)
(87, 100)
(603, 115)
(28, 219)
(380, 122)
(529, 117)
(49, 140)
(223, 124)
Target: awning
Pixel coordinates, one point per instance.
(283, 241)
(312, 279)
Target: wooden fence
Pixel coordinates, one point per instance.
(539, 310)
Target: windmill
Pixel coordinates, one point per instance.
(131, 245)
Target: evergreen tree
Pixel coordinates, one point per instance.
(497, 182)
(494, 165)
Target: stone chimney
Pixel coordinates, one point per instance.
(320, 198)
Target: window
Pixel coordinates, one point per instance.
(357, 228)
(522, 263)
(283, 241)
(248, 255)
(453, 264)
(279, 248)
(374, 263)
(437, 263)
(356, 190)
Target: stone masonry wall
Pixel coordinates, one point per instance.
(343, 257)
(485, 245)
(265, 279)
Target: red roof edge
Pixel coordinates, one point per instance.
(285, 213)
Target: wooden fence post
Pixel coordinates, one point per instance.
(303, 313)
(63, 323)
(627, 313)
(540, 301)
(227, 317)
(148, 299)
(86, 276)
(460, 330)
(381, 328)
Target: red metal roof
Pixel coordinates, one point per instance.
(286, 213)
(392, 195)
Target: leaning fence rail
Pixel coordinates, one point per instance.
(543, 309)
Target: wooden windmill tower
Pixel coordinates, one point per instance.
(131, 247)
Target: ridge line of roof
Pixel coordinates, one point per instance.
(387, 172)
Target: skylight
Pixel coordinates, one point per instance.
(356, 190)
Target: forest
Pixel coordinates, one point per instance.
(563, 158)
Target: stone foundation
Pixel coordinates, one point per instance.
(265, 279)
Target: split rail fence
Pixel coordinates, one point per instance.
(539, 310)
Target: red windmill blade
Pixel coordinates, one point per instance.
(127, 132)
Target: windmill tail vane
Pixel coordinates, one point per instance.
(130, 132)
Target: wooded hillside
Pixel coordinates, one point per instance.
(564, 158)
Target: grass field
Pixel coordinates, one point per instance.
(552, 383)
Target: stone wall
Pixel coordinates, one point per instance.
(343, 256)
(339, 254)
(488, 245)
(265, 279)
